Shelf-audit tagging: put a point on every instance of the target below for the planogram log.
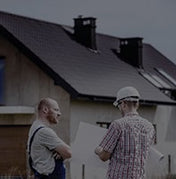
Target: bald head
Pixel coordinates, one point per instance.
(45, 102)
(48, 109)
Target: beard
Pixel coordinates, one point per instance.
(52, 119)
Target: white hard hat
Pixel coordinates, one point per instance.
(128, 93)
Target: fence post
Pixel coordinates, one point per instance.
(83, 171)
(169, 164)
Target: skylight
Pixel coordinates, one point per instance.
(167, 76)
(155, 80)
(151, 80)
(162, 82)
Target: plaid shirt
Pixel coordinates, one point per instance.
(128, 140)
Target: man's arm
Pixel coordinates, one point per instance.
(64, 150)
(50, 139)
(103, 155)
(109, 142)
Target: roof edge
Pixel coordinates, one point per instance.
(58, 80)
(112, 99)
(29, 17)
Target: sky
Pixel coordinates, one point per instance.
(153, 20)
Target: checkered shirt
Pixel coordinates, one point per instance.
(128, 140)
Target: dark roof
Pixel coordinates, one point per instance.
(82, 72)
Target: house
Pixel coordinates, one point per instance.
(82, 70)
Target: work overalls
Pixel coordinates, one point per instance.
(58, 173)
(59, 169)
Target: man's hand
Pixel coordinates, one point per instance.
(56, 155)
(98, 150)
(64, 150)
(103, 155)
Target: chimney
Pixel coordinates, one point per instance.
(131, 51)
(84, 31)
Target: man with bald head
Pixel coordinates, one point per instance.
(46, 150)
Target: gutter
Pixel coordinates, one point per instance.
(112, 99)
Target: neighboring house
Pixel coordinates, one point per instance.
(82, 70)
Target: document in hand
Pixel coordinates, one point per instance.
(87, 139)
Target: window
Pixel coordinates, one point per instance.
(151, 80)
(167, 76)
(163, 83)
(1, 80)
(155, 80)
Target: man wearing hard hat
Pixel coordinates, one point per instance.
(128, 140)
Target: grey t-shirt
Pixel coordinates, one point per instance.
(43, 144)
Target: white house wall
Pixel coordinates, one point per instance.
(92, 112)
(166, 134)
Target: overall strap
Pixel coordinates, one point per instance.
(30, 143)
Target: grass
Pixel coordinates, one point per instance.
(13, 173)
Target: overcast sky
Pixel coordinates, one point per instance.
(154, 20)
